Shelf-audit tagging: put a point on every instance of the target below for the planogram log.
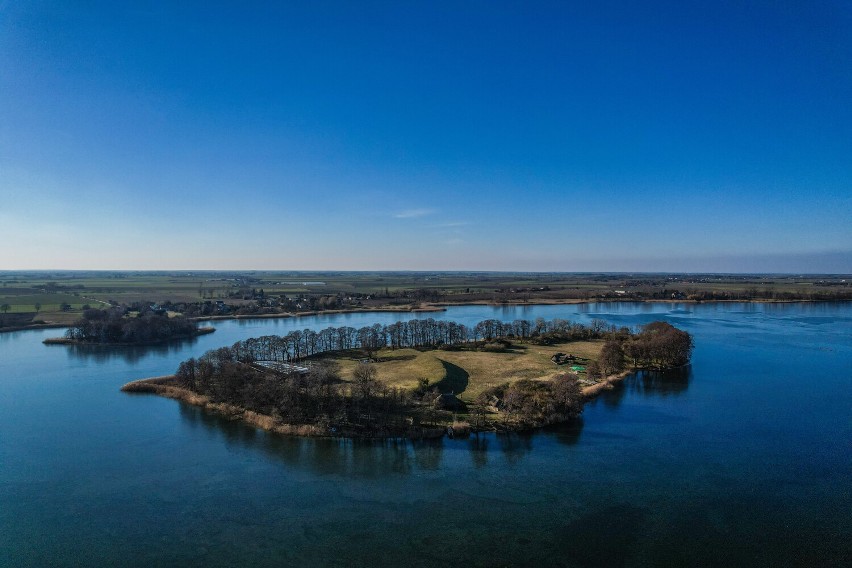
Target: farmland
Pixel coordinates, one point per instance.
(60, 296)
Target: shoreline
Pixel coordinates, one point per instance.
(66, 341)
(570, 301)
(33, 326)
(164, 386)
(285, 315)
(442, 307)
(607, 383)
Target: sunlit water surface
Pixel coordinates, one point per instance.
(743, 459)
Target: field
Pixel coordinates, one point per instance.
(59, 297)
(467, 373)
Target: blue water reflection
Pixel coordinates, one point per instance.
(743, 458)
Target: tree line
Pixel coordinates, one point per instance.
(656, 345)
(415, 333)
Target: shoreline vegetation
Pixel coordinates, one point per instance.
(168, 386)
(422, 378)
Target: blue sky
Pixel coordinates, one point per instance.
(670, 136)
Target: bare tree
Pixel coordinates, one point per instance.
(612, 358)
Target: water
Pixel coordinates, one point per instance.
(743, 459)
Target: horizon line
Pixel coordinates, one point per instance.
(425, 271)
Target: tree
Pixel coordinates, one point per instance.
(612, 358)
(365, 379)
(567, 396)
(37, 307)
(660, 345)
(364, 391)
(5, 308)
(593, 371)
(369, 340)
(478, 412)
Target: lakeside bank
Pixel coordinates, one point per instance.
(167, 386)
(443, 306)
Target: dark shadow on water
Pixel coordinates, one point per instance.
(613, 398)
(361, 458)
(428, 453)
(566, 434)
(370, 458)
(672, 382)
(374, 458)
(478, 446)
(455, 379)
(515, 445)
(739, 529)
(605, 538)
(127, 353)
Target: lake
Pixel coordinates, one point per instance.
(745, 458)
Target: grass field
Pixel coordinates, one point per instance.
(467, 373)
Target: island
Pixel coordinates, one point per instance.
(119, 326)
(420, 378)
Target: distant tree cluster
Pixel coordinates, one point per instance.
(115, 326)
(769, 294)
(701, 291)
(659, 345)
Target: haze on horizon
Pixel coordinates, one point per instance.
(557, 136)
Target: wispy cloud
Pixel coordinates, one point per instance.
(413, 213)
(453, 224)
